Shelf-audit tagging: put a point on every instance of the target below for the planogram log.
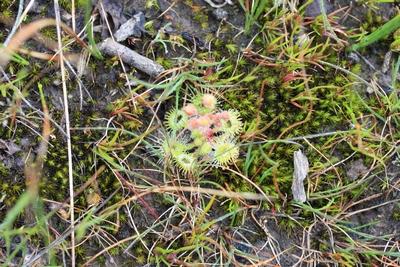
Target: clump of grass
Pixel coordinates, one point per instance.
(253, 11)
(378, 34)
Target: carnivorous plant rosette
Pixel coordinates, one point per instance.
(201, 134)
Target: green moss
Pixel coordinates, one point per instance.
(276, 104)
(5, 5)
(7, 13)
(288, 226)
(66, 4)
(396, 212)
(152, 4)
(4, 171)
(201, 18)
(244, 100)
(269, 102)
(140, 253)
(166, 63)
(101, 260)
(50, 32)
(10, 191)
(115, 251)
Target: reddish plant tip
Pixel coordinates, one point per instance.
(209, 101)
(212, 118)
(204, 121)
(193, 123)
(190, 110)
(215, 119)
(224, 115)
(209, 134)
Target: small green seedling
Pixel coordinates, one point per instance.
(380, 33)
(395, 45)
(200, 134)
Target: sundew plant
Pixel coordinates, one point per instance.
(201, 135)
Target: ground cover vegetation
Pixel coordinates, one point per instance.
(103, 164)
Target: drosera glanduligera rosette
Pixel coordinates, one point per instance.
(200, 134)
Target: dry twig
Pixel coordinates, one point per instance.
(148, 66)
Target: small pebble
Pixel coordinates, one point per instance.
(314, 9)
(386, 62)
(220, 13)
(169, 29)
(354, 58)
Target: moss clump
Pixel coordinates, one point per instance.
(50, 33)
(5, 5)
(10, 191)
(281, 102)
(202, 19)
(396, 213)
(4, 171)
(67, 4)
(245, 101)
(55, 183)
